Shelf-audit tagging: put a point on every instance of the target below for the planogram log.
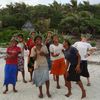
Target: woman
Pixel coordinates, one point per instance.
(30, 45)
(73, 58)
(22, 46)
(57, 58)
(11, 65)
(41, 72)
(47, 43)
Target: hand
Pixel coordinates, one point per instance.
(57, 54)
(66, 74)
(77, 69)
(42, 53)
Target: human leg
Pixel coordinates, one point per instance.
(82, 89)
(68, 85)
(40, 90)
(6, 90)
(47, 88)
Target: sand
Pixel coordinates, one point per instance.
(28, 91)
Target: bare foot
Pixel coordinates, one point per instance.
(83, 94)
(49, 95)
(15, 90)
(58, 87)
(30, 80)
(24, 81)
(5, 92)
(68, 94)
(88, 84)
(40, 95)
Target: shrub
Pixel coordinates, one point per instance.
(93, 43)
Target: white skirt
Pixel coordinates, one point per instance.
(40, 76)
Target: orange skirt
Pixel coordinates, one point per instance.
(58, 67)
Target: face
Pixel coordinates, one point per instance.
(84, 39)
(65, 45)
(55, 39)
(38, 41)
(20, 38)
(14, 43)
(49, 34)
(33, 33)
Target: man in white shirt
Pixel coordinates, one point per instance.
(84, 47)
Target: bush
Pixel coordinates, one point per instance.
(93, 43)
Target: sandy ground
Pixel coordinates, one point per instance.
(28, 91)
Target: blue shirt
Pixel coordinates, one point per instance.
(71, 55)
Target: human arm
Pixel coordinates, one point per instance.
(67, 65)
(78, 63)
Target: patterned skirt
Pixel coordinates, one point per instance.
(20, 63)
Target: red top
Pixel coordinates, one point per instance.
(30, 43)
(13, 53)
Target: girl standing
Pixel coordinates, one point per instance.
(11, 65)
(73, 58)
(22, 46)
(41, 72)
(30, 45)
(57, 58)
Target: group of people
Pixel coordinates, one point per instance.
(60, 59)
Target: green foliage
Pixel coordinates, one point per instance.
(72, 19)
(93, 43)
(88, 36)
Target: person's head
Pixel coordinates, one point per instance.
(13, 42)
(32, 33)
(20, 37)
(55, 38)
(49, 34)
(83, 38)
(66, 44)
(38, 40)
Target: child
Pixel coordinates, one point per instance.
(47, 43)
(58, 60)
(41, 72)
(83, 47)
(73, 58)
(22, 46)
(30, 44)
(11, 65)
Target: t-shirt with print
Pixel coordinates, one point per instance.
(13, 51)
(56, 50)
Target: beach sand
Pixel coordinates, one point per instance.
(28, 91)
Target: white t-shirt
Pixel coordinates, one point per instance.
(83, 48)
(41, 61)
(21, 45)
(56, 50)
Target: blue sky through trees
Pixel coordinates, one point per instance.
(46, 2)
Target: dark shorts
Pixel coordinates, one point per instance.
(73, 76)
(84, 69)
(31, 65)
